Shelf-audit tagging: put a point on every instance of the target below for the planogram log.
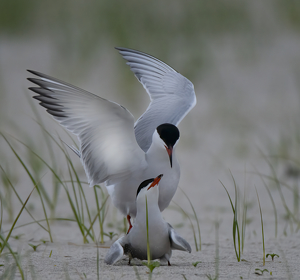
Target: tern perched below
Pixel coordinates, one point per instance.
(113, 149)
(162, 237)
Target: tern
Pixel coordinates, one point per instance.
(162, 237)
(113, 149)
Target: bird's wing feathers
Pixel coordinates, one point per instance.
(177, 242)
(105, 129)
(115, 252)
(172, 95)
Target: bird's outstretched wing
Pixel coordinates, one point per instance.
(172, 95)
(115, 252)
(177, 242)
(108, 147)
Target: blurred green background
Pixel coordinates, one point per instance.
(77, 31)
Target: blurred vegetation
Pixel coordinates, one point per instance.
(123, 22)
(289, 11)
(79, 28)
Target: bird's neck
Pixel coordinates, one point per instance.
(152, 206)
(158, 154)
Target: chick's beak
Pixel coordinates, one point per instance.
(155, 182)
(170, 152)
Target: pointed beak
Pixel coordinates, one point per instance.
(170, 152)
(155, 182)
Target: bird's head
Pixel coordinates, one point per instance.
(147, 185)
(167, 135)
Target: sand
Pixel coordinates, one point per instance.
(70, 260)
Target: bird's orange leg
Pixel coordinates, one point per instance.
(130, 225)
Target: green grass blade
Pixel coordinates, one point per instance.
(87, 208)
(1, 218)
(51, 153)
(79, 214)
(39, 121)
(15, 221)
(77, 217)
(43, 220)
(6, 244)
(193, 229)
(276, 180)
(56, 176)
(99, 216)
(66, 156)
(228, 196)
(147, 229)
(262, 229)
(81, 196)
(236, 230)
(16, 193)
(244, 220)
(95, 218)
(72, 168)
(273, 205)
(34, 183)
(196, 218)
(235, 225)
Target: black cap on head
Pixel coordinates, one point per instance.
(169, 133)
(144, 184)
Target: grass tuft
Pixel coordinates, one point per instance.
(273, 205)
(195, 263)
(191, 222)
(272, 256)
(14, 255)
(260, 271)
(15, 221)
(235, 226)
(34, 247)
(34, 182)
(196, 218)
(262, 229)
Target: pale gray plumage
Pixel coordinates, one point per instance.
(172, 95)
(177, 242)
(163, 238)
(98, 123)
(115, 252)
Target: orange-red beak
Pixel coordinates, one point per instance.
(170, 152)
(155, 182)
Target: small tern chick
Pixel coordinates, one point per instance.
(162, 237)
